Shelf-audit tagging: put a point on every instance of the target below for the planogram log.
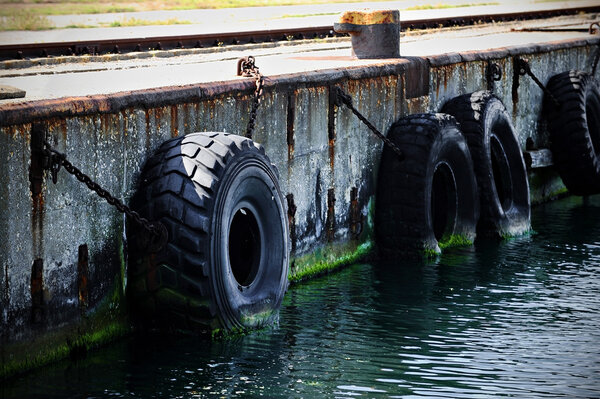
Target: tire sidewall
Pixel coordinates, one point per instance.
(512, 216)
(249, 182)
(592, 103)
(450, 150)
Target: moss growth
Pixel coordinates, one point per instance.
(509, 236)
(545, 185)
(258, 320)
(72, 341)
(220, 334)
(431, 252)
(553, 195)
(451, 241)
(454, 240)
(328, 259)
(106, 323)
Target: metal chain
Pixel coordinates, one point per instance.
(525, 69)
(247, 68)
(57, 159)
(342, 98)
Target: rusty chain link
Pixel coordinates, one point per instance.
(342, 98)
(247, 68)
(54, 160)
(524, 69)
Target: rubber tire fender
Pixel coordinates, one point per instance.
(225, 265)
(575, 130)
(498, 161)
(432, 193)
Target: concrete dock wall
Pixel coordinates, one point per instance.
(63, 249)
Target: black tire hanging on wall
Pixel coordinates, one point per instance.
(574, 129)
(431, 195)
(225, 264)
(498, 161)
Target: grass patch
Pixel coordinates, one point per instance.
(25, 20)
(67, 7)
(146, 22)
(77, 26)
(308, 15)
(443, 6)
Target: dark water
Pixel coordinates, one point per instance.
(519, 318)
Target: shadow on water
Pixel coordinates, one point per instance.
(517, 318)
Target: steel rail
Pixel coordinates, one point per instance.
(112, 46)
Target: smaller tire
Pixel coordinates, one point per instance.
(574, 130)
(225, 263)
(431, 195)
(498, 161)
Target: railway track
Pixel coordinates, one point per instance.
(112, 46)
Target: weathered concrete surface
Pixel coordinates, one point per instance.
(327, 163)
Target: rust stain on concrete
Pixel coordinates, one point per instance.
(331, 119)
(82, 276)
(291, 116)
(174, 121)
(37, 291)
(355, 215)
(158, 116)
(330, 221)
(292, 219)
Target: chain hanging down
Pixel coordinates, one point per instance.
(340, 97)
(247, 68)
(54, 160)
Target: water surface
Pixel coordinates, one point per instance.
(520, 318)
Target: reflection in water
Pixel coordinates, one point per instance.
(520, 318)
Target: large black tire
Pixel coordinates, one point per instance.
(575, 130)
(498, 160)
(225, 264)
(431, 195)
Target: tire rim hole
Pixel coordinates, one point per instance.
(592, 106)
(501, 173)
(244, 247)
(443, 202)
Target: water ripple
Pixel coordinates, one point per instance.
(519, 318)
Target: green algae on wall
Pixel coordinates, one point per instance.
(98, 327)
(452, 241)
(327, 259)
(105, 325)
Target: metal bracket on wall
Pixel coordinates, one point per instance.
(522, 68)
(494, 74)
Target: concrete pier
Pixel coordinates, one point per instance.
(63, 249)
